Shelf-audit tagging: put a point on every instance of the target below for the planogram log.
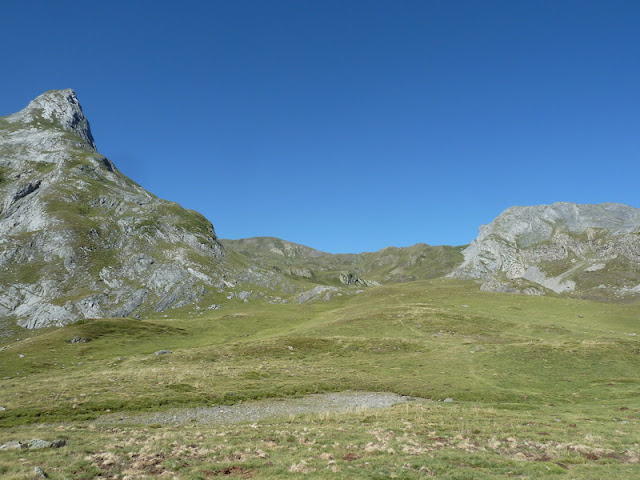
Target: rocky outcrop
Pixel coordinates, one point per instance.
(591, 250)
(353, 279)
(78, 239)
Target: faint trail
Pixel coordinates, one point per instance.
(262, 409)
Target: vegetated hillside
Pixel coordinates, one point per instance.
(504, 385)
(78, 238)
(585, 250)
(389, 265)
(434, 339)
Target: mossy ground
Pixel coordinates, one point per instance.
(542, 387)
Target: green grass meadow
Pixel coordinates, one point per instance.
(542, 387)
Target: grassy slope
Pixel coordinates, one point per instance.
(388, 265)
(534, 378)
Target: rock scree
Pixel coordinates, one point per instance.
(341, 402)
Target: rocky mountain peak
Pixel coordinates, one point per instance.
(531, 224)
(60, 108)
(590, 250)
(78, 239)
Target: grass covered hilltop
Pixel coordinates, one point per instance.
(542, 386)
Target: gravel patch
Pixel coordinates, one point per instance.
(263, 409)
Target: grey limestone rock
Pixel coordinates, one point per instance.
(298, 272)
(39, 472)
(79, 340)
(321, 291)
(353, 279)
(78, 239)
(551, 247)
(36, 444)
(33, 444)
(60, 107)
(13, 445)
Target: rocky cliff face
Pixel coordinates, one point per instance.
(79, 239)
(588, 250)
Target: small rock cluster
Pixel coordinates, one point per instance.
(34, 444)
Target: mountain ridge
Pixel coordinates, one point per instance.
(78, 239)
(387, 265)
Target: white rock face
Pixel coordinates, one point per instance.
(59, 107)
(524, 241)
(77, 238)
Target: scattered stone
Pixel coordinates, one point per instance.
(13, 445)
(214, 307)
(3, 409)
(316, 293)
(252, 411)
(448, 400)
(162, 352)
(37, 444)
(33, 444)
(79, 340)
(352, 279)
(20, 355)
(38, 472)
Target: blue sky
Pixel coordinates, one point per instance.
(345, 125)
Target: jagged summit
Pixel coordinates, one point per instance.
(57, 108)
(79, 239)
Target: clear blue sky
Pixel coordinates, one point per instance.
(346, 125)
